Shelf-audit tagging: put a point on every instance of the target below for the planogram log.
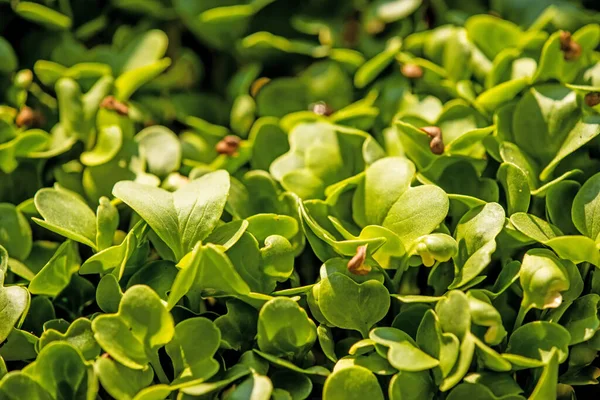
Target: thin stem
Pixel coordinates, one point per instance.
(399, 272)
(388, 281)
(520, 317)
(155, 362)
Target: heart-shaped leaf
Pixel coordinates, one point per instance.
(352, 383)
(79, 335)
(134, 334)
(192, 349)
(351, 305)
(284, 329)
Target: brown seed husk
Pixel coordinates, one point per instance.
(592, 99)
(27, 117)
(321, 108)
(228, 145)
(436, 144)
(412, 71)
(357, 265)
(570, 48)
(110, 103)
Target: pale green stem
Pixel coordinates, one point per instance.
(520, 317)
(155, 362)
(399, 272)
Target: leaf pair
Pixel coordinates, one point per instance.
(182, 218)
(66, 214)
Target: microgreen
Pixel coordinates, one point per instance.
(282, 199)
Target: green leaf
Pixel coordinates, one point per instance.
(54, 277)
(542, 120)
(79, 335)
(546, 387)
(350, 305)
(108, 294)
(192, 349)
(352, 383)
(516, 188)
(238, 326)
(183, 218)
(9, 58)
(297, 385)
(14, 300)
(115, 258)
(583, 132)
(61, 371)
(107, 222)
(465, 358)
(108, 144)
(316, 371)
(67, 214)
(548, 337)
(261, 226)
(495, 97)
(14, 385)
(134, 334)
(385, 181)
(16, 232)
(284, 328)
(411, 386)
(581, 318)
(560, 195)
(130, 81)
(585, 207)
(476, 236)
(326, 342)
(242, 114)
(158, 275)
(575, 248)
(534, 227)
(161, 149)
(269, 142)
(208, 269)
(372, 68)
(552, 62)
(43, 15)
(119, 381)
(417, 212)
(543, 277)
(442, 346)
(484, 314)
(403, 354)
(19, 346)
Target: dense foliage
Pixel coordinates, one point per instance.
(284, 199)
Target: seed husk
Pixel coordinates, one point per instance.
(27, 117)
(110, 103)
(411, 71)
(570, 48)
(436, 144)
(357, 265)
(228, 145)
(321, 108)
(592, 99)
